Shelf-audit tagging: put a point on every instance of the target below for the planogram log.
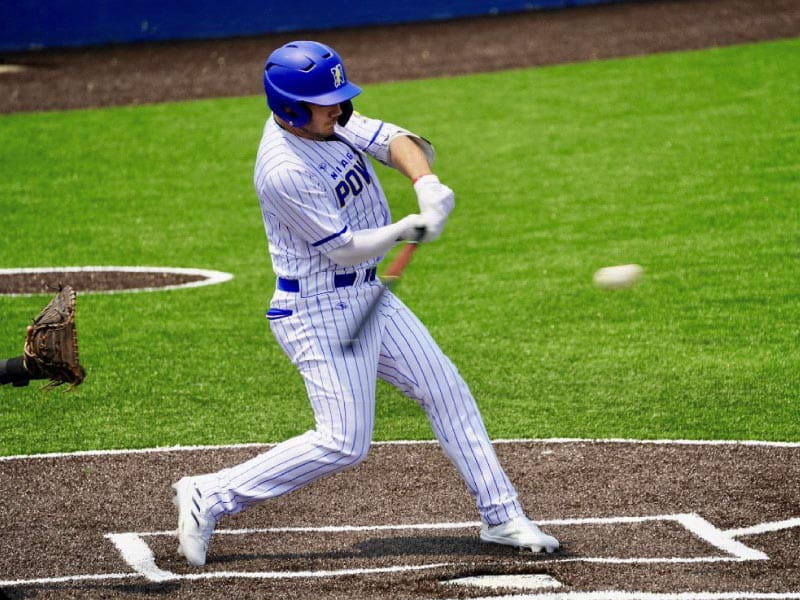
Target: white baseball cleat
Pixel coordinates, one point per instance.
(195, 525)
(520, 532)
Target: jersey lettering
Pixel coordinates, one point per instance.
(362, 170)
(356, 185)
(342, 192)
(353, 181)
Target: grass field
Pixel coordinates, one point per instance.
(687, 163)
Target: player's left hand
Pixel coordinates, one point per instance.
(434, 196)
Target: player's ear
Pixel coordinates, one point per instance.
(347, 112)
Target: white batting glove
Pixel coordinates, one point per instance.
(408, 227)
(434, 196)
(431, 223)
(434, 225)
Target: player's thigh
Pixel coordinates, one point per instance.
(412, 360)
(340, 383)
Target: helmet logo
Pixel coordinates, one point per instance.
(338, 75)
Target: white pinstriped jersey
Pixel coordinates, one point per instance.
(314, 194)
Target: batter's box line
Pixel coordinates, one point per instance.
(139, 556)
(623, 595)
(692, 522)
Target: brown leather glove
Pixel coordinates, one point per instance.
(51, 345)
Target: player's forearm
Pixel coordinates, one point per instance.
(408, 158)
(372, 243)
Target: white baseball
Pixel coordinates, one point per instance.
(619, 277)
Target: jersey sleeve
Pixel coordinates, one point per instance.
(374, 137)
(297, 200)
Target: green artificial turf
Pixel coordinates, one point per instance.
(686, 163)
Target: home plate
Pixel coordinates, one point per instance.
(521, 582)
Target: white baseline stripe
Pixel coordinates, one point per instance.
(643, 561)
(683, 519)
(67, 579)
(666, 442)
(179, 448)
(763, 528)
(693, 523)
(169, 576)
(322, 529)
(139, 556)
(125, 451)
(299, 574)
(620, 595)
(706, 531)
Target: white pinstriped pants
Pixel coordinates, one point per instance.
(341, 384)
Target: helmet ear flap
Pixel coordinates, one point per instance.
(347, 112)
(298, 114)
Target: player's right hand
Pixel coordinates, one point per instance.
(434, 196)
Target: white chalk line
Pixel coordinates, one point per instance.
(326, 529)
(265, 446)
(127, 451)
(301, 574)
(139, 556)
(763, 528)
(717, 538)
(156, 575)
(210, 277)
(67, 579)
(723, 540)
(620, 595)
(168, 576)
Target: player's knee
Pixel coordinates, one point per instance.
(351, 456)
(345, 453)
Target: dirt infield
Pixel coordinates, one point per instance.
(657, 518)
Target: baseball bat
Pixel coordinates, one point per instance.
(390, 278)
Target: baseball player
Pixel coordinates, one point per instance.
(328, 225)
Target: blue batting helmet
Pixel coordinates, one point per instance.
(305, 71)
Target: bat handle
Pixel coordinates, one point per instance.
(389, 279)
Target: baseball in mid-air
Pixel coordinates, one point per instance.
(619, 277)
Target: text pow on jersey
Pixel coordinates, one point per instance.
(353, 180)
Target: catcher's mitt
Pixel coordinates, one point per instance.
(51, 345)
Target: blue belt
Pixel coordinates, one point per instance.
(340, 280)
